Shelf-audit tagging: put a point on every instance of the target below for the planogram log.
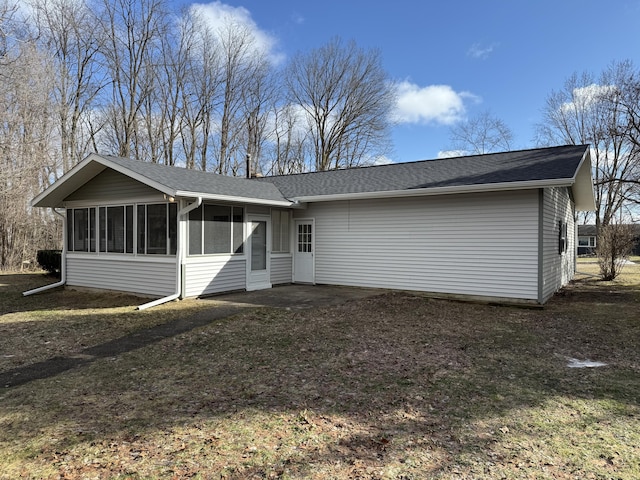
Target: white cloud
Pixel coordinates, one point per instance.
(431, 104)
(218, 15)
(587, 97)
(452, 153)
(382, 160)
(481, 52)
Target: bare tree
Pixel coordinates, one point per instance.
(67, 33)
(484, 133)
(200, 94)
(239, 63)
(26, 149)
(591, 111)
(290, 143)
(630, 101)
(347, 99)
(132, 30)
(615, 242)
(259, 99)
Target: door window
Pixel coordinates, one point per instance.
(304, 238)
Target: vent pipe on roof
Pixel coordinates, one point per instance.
(249, 175)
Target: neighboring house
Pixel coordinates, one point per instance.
(588, 240)
(496, 227)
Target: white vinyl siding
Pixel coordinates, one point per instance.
(558, 268)
(472, 244)
(208, 275)
(112, 186)
(281, 268)
(155, 277)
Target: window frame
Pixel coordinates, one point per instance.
(280, 231)
(102, 229)
(562, 237)
(197, 226)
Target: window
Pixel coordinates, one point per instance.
(562, 237)
(216, 229)
(92, 229)
(157, 231)
(238, 230)
(280, 231)
(78, 230)
(115, 229)
(141, 218)
(304, 238)
(152, 229)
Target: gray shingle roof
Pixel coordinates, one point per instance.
(555, 163)
(544, 165)
(207, 183)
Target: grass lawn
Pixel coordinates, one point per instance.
(396, 386)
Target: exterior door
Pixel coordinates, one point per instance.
(303, 257)
(258, 261)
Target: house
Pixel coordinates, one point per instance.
(496, 227)
(588, 240)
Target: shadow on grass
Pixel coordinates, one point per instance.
(13, 285)
(393, 380)
(81, 357)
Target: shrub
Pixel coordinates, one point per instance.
(615, 243)
(50, 260)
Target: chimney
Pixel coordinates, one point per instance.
(249, 175)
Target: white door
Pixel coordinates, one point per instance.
(303, 261)
(258, 261)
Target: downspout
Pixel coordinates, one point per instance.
(63, 260)
(178, 293)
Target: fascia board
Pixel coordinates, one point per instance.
(235, 199)
(67, 180)
(64, 181)
(423, 192)
(583, 185)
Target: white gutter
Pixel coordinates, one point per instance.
(235, 199)
(421, 192)
(178, 293)
(63, 260)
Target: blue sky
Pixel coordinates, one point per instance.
(455, 59)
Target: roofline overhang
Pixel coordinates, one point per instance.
(67, 179)
(235, 199)
(432, 191)
(585, 200)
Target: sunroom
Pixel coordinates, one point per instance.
(141, 228)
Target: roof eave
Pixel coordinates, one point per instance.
(582, 187)
(235, 199)
(422, 192)
(84, 171)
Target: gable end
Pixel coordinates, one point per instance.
(110, 185)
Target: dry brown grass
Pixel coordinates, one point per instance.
(397, 386)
